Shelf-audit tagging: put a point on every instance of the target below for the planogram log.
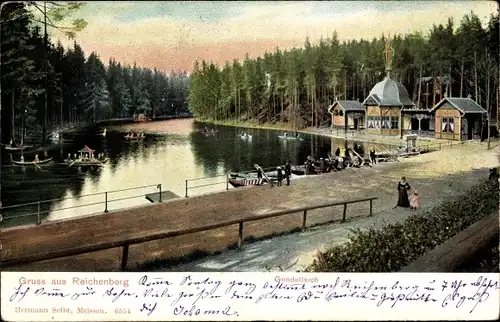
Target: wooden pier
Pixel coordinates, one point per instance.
(165, 195)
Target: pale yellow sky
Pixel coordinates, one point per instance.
(172, 35)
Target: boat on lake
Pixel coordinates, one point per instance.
(206, 131)
(135, 138)
(17, 148)
(35, 163)
(286, 137)
(245, 136)
(237, 179)
(210, 132)
(87, 159)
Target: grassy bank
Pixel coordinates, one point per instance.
(393, 247)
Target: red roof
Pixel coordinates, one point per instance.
(86, 149)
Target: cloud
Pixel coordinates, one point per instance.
(263, 24)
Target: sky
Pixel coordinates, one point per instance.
(171, 35)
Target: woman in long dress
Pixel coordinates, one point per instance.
(403, 188)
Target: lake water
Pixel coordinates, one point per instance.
(173, 152)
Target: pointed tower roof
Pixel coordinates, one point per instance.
(388, 92)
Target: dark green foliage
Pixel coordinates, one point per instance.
(302, 83)
(391, 248)
(79, 89)
(486, 261)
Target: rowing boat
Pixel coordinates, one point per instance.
(285, 137)
(245, 137)
(17, 148)
(87, 163)
(134, 139)
(32, 162)
(208, 132)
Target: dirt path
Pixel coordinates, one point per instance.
(446, 171)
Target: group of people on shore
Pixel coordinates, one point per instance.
(281, 174)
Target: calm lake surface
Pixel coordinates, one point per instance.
(172, 152)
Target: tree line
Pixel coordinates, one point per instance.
(296, 86)
(46, 86)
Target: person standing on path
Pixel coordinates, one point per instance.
(373, 156)
(288, 172)
(259, 175)
(403, 188)
(415, 201)
(280, 176)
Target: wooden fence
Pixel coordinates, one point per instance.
(78, 250)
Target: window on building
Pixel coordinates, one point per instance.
(373, 122)
(336, 112)
(395, 123)
(386, 122)
(447, 124)
(341, 113)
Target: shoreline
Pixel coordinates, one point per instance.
(207, 209)
(327, 132)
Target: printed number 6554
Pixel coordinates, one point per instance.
(122, 311)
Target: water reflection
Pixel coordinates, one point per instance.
(172, 152)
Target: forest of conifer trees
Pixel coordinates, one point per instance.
(296, 86)
(80, 90)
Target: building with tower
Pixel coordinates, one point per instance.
(386, 101)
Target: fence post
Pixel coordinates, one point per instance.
(227, 181)
(451, 143)
(371, 207)
(240, 235)
(344, 213)
(106, 201)
(124, 258)
(159, 187)
(304, 218)
(439, 145)
(186, 189)
(38, 221)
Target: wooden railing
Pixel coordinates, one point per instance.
(78, 250)
(459, 249)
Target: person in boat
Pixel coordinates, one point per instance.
(288, 172)
(280, 176)
(206, 129)
(285, 134)
(36, 158)
(22, 158)
(297, 135)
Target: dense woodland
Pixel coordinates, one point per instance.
(71, 88)
(296, 86)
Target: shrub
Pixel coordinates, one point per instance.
(393, 247)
